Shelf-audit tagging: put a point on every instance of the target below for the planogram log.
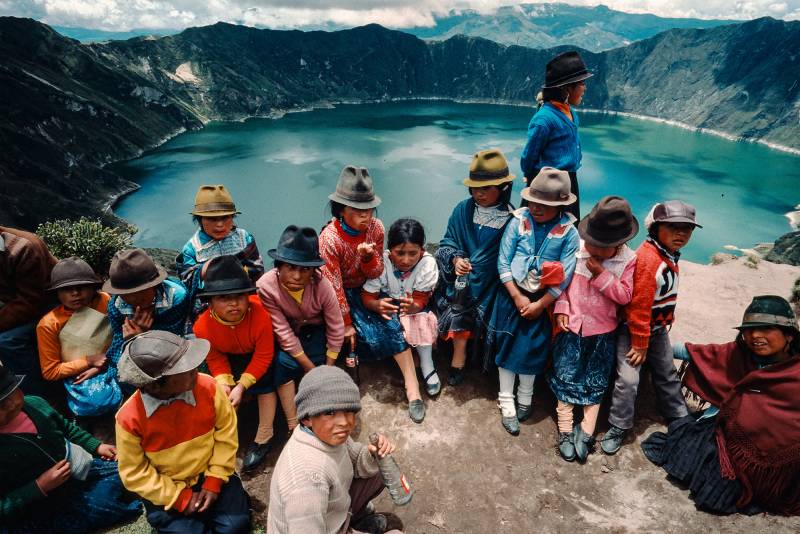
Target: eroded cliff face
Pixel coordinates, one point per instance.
(69, 108)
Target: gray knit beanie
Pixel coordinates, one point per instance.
(326, 389)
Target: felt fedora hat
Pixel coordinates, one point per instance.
(355, 189)
(564, 69)
(551, 187)
(298, 246)
(157, 353)
(610, 223)
(488, 167)
(72, 271)
(225, 276)
(769, 310)
(133, 270)
(8, 382)
(676, 211)
(213, 201)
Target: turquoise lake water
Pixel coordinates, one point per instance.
(280, 172)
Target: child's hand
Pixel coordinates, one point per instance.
(225, 389)
(107, 452)
(384, 448)
(235, 396)
(86, 375)
(366, 251)
(350, 335)
(562, 320)
(204, 500)
(96, 360)
(143, 318)
(462, 266)
(636, 357)
(54, 477)
(595, 266)
(521, 302)
(408, 306)
(130, 329)
(532, 311)
(386, 308)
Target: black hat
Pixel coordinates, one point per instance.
(565, 69)
(769, 310)
(8, 382)
(610, 223)
(298, 246)
(226, 276)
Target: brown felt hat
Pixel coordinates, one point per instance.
(70, 272)
(610, 223)
(213, 201)
(133, 270)
(488, 167)
(551, 187)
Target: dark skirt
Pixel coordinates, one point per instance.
(688, 453)
(378, 338)
(582, 367)
(265, 384)
(313, 339)
(521, 346)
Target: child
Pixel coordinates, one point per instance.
(407, 282)
(177, 440)
(587, 316)
(142, 299)
(324, 481)
(305, 314)
(73, 339)
(352, 247)
(553, 139)
(535, 264)
(240, 332)
(468, 254)
(49, 474)
(649, 315)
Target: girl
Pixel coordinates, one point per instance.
(587, 316)
(553, 139)
(536, 262)
(73, 339)
(352, 247)
(467, 254)
(409, 277)
(240, 332)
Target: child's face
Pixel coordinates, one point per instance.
(405, 256)
(172, 385)
(76, 297)
(332, 428)
(217, 227)
(542, 213)
(602, 253)
(230, 308)
(141, 299)
(11, 406)
(485, 197)
(766, 341)
(674, 236)
(357, 218)
(294, 277)
(575, 93)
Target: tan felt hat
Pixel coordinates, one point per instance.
(213, 201)
(488, 167)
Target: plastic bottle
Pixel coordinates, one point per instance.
(395, 481)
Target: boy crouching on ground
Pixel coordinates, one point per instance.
(177, 440)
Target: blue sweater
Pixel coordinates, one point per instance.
(553, 141)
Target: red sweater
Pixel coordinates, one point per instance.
(343, 267)
(655, 292)
(252, 336)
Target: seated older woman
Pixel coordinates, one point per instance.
(743, 453)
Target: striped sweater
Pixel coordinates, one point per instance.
(161, 460)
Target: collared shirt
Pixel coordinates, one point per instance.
(151, 404)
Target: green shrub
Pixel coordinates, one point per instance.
(88, 239)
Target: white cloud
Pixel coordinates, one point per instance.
(122, 15)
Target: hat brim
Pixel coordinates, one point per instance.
(192, 358)
(73, 283)
(206, 294)
(469, 182)
(273, 253)
(679, 220)
(374, 203)
(583, 232)
(17, 381)
(574, 79)
(218, 213)
(109, 288)
(527, 196)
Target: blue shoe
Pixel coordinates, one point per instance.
(511, 424)
(565, 446)
(612, 440)
(416, 410)
(584, 443)
(524, 411)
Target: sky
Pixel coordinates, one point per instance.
(125, 15)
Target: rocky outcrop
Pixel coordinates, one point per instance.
(786, 249)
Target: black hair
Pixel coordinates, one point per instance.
(337, 210)
(406, 231)
(559, 94)
(277, 264)
(198, 219)
(653, 230)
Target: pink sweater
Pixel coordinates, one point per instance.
(593, 304)
(319, 306)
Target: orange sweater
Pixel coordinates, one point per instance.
(50, 347)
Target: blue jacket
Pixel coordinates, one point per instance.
(519, 251)
(553, 141)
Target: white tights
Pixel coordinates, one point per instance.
(506, 395)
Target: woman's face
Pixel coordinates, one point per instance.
(575, 93)
(766, 341)
(76, 297)
(294, 277)
(332, 428)
(485, 197)
(542, 213)
(11, 406)
(230, 308)
(405, 256)
(357, 218)
(217, 227)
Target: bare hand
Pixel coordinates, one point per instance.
(204, 500)
(562, 320)
(235, 395)
(462, 266)
(521, 302)
(350, 335)
(384, 448)
(386, 308)
(408, 306)
(636, 357)
(54, 477)
(86, 375)
(96, 360)
(107, 452)
(226, 389)
(130, 329)
(143, 318)
(595, 266)
(366, 251)
(532, 311)
(193, 505)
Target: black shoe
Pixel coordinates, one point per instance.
(524, 411)
(456, 376)
(372, 523)
(416, 410)
(510, 424)
(584, 443)
(566, 446)
(255, 454)
(612, 439)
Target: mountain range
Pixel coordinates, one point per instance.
(70, 108)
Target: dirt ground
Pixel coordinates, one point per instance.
(470, 476)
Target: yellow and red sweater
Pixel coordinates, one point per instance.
(163, 456)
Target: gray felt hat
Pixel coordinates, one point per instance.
(354, 189)
(551, 187)
(326, 389)
(151, 355)
(72, 271)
